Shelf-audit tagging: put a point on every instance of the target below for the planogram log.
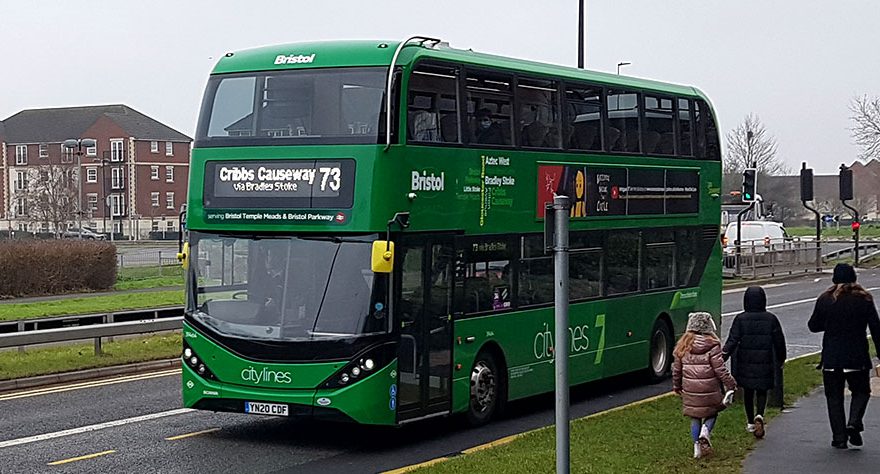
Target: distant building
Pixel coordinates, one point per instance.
(133, 181)
(781, 195)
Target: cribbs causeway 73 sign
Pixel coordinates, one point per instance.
(279, 184)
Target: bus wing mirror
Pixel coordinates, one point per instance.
(183, 255)
(383, 256)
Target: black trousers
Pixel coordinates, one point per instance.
(749, 397)
(860, 385)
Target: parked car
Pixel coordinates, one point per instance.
(85, 233)
(758, 237)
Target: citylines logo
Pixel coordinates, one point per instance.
(294, 59)
(251, 374)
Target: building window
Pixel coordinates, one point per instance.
(154, 225)
(116, 150)
(21, 207)
(169, 148)
(154, 173)
(92, 199)
(117, 205)
(44, 150)
(66, 154)
(91, 175)
(92, 150)
(154, 197)
(154, 146)
(169, 200)
(169, 174)
(117, 179)
(20, 181)
(20, 154)
(169, 225)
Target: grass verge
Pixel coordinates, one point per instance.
(135, 278)
(648, 437)
(90, 304)
(53, 360)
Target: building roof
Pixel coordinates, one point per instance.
(59, 124)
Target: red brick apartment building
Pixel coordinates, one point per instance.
(133, 180)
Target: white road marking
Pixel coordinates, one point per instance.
(89, 384)
(99, 426)
(788, 303)
(738, 290)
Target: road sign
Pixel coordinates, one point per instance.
(827, 218)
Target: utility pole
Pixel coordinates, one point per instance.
(580, 34)
(556, 217)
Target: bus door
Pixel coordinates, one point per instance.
(425, 271)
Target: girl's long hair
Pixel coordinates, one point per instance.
(686, 343)
(843, 289)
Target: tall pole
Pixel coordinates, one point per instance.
(79, 189)
(561, 209)
(580, 34)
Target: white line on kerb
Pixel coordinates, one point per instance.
(99, 426)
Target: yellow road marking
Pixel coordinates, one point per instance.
(417, 466)
(80, 458)
(188, 435)
(91, 384)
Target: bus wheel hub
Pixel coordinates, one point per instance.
(482, 386)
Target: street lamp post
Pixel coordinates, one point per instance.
(103, 200)
(622, 64)
(78, 144)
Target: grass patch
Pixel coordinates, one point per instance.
(650, 437)
(844, 232)
(53, 360)
(90, 304)
(133, 278)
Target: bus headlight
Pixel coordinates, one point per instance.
(192, 360)
(362, 365)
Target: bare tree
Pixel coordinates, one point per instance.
(866, 131)
(51, 196)
(750, 143)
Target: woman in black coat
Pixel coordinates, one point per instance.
(756, 347)
(844, 311)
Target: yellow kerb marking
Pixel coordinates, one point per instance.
(417, 466)
(80, 458)
(188, 435)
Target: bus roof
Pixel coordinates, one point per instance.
(380, 53)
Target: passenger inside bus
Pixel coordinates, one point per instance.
(487, 131)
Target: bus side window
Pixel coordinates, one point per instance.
(433, 104)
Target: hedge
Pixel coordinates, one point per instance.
(49, 267)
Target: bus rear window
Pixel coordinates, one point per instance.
(314, 106)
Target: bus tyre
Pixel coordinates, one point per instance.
(485, 389)
(660, 353)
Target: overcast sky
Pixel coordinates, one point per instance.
(795, 64)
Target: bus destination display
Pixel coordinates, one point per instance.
(287, 184)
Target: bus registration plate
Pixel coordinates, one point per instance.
(257, 408)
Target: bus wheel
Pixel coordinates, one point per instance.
(660, 355)
(485, 383)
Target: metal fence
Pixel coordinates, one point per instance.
(89, 326)
(758, 260)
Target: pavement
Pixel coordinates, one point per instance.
(799, 440)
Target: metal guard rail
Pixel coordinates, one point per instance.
(90, 319)
(96, 331)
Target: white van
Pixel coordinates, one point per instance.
(758, 235)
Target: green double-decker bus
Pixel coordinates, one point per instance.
(365, 229)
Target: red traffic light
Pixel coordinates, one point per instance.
(856, 225)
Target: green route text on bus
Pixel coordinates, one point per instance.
(340, 268)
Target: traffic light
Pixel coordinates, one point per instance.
(846, 183)
(750, 184)
(806, 183)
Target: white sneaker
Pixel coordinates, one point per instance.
(705, 444)
(697, 452)
(759, 426)
(750, 428)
